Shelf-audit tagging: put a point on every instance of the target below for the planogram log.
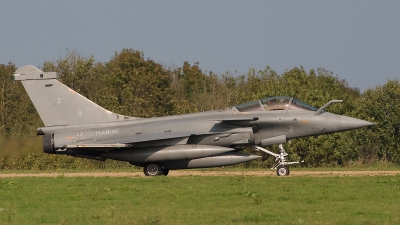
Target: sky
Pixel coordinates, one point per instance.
(357, 40)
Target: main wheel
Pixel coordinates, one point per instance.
(165, 172)
(152, 169)
(282, 170)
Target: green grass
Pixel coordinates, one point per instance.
(200, 200)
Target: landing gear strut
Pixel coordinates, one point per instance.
(281, 166)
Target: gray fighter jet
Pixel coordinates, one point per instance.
(78, 127)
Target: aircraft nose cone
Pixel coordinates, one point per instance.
(349, 123)
(337, 123)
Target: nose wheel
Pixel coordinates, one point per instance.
(282, 170)
(281, 166)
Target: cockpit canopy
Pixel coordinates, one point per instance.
(275, 103)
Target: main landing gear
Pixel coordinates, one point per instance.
(154, 169)
(281, 166)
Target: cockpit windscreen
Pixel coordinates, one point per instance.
(275, 103)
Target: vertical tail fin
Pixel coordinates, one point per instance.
(59, 105)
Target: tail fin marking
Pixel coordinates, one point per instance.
(58, 104)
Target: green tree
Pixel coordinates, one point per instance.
(17, 113)
(141, 87)
(379, 105)
(131, 85)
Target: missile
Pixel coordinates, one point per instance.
(165, 153)
(224, 159)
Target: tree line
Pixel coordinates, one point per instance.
(130, 84)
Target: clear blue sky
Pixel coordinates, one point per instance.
(357, 40)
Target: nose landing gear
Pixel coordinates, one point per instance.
(281, 166)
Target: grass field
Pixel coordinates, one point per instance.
(200, 200)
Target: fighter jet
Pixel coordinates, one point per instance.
(78, 127)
